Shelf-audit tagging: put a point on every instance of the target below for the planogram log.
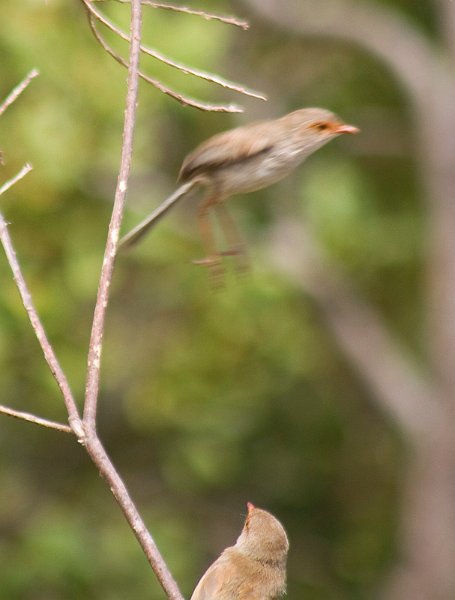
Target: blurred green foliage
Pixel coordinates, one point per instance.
(208, 399)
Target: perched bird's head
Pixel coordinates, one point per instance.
(263, 537)
(254, 567)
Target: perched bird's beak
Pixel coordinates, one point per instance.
(343, 128)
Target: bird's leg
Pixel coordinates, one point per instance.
(237, 246)
(212, 258)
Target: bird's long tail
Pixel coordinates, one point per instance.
(138, 232)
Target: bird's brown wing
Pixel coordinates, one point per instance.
(218, 584)
(227, 148)
(210, 584)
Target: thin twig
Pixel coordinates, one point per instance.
(92, 442)
(172, 63)
(25, 416)
(401, 389)
(116, 485)
(38, 328)
(96, 339)
(17, 91)
(22, 173)
(227, 20)
(184, 100)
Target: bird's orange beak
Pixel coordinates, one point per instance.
(344, 128)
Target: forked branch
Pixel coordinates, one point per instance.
(26, 297)
(228, 20)
(91, 441)
(25, 416)
(17, 91)
(85, 429)
(97, 17)
(183, 99)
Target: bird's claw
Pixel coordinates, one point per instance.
(214, 263)
(207, 261)
(242, 265)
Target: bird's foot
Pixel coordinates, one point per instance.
(242, 264)
(215, 263)
(207, 261)
(215, 267)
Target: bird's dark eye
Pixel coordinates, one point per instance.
(320, 126)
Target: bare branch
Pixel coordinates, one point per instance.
(17, 91)
(172, 63)
(35, 321)
(422, 68)
(25, 416)
(227, 20)
(121, 494)
(447, 21)
(376, 27)
(378, 358)
(22, 173)
(38, 328)
(185, 100)
(91, 441)
(96, 339)
(430, 83)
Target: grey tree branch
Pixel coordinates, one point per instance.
(230, 85)
(378, 359)
(107, 470)
(212, 78)
(38, 328)
(198, 13)
(85, 430)
(228, 20)
(91, 441)
(427, 74)
(20, 175)
(17, 91)
(183, 99)
(447, 24)
(380, 30)
(96, 339)
(25, 416)
(431, 90)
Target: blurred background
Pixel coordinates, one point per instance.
(319, 386)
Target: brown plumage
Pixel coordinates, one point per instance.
(254, 568)
(243, 160)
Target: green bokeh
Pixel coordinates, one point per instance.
(208, 399)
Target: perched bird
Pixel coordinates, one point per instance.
(254, 568)
(242, 160)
